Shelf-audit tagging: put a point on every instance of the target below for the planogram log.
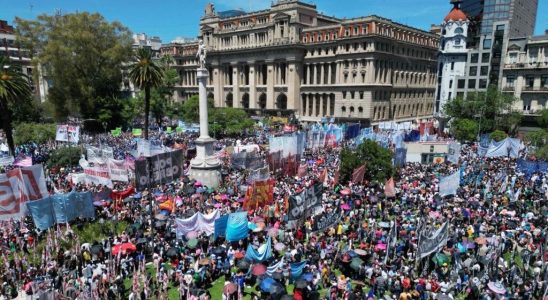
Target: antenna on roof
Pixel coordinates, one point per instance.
(31, 7)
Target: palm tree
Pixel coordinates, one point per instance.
(14, 87)
(145, 74)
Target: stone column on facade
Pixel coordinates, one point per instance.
(329, 73)
(205, 167)
(293, 81)
(337, 73)
(315, 74)
(322, 112)
(217, 86)
(236, 100)
(270, 85)
(370, 72)
(322, 73)
(252, 85)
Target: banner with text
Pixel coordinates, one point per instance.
(166, 167)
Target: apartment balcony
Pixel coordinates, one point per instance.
(537, 65)
(508, 89)
(535, 89)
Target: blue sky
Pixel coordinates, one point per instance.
(171, 18)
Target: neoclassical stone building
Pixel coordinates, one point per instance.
(292, 60)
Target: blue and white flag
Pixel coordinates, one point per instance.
(297, 269)
(449, 184)
(42, 213)
(236, 227)
(263, 253)
(453, 154)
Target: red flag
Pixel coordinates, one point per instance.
(358, 174)
(336, 178)
(323, 175)
(389, 188)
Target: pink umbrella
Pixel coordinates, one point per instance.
(346, 192)
(197, 183)
(345, 206)
(497, 287)
(380, 246)
(218, 205)
(434, 214)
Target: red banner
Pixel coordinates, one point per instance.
(260, 194)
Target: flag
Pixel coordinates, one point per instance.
(389, 188)
(449, 184)
(23, 161)
(336, 177)
(358, 174)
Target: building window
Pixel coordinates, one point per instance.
(344, 94)
(472, 84)
(473, 71)
(482, 83)
(544, 81)
(512, 58)
(530, 81)
(484, 70)
(459, 30)
(351, 109)
(487, 44)
(343, 109)
(485, 57)
(510, 80)
(361, 95)
(474, 58)
(450, 84)
(452, 66)
(461, 83)
(457, 41)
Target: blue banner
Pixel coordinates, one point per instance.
(42, 213)
(450, 184)
(297, 269)
(401, 157)
(262, 254)
(220, 226)
(236, 227)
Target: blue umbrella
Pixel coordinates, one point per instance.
(200, 190)
(266, 284)
(165, 212)
(352, 253)
(308, 277)
(137, 196)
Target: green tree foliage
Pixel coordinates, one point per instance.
(146, 75)
(537, 138)
(191, 109)
(492, 109)
(498, 135)
(14, 87)
(34, 132)
(64, 157)
(229, 121)
(464, 129)
(83, 54)
(543, 118)
(377, 160)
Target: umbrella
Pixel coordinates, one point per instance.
(308, 277)
(172, 252)
(243, 264)
(258, 270)
(239, 255)
(218, 205)
(191, 235)
(360, 252)
(137, 196)
(124, 248)
(200, 190)
(346, 192)
(481, 240)
(230, 288)
(356, 263)
(440, 259)
(345, 258)
(301, 284)
(266, 284)
(380, 246)
(496, 287)
(279, 246)
(203, 262)
(197, 183)
(192, 243)
(345, 206)
(161, 217)
(351, 253)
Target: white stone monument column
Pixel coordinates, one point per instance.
(205, 167)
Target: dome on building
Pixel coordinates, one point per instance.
(456, 15)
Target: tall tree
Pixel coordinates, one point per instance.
(14, 87)
(83, 55)
(145, 74)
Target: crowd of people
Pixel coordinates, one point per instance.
(495, 248)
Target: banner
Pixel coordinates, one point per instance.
(220, 226)
(98, 175)
(453, 153)
(143, 148)
(67, 133)
(430, 242)
(389, 188)
(199, 223)
(326, 220)
(23, 161)
(449, 184)
(260, 194)
(117, 170)
(297, 269)
(95, 155)
(137, 131)
(166, 167)
(305, 202)
(236, 227)
(61, 209)
(358, 174)
(401, 157)
(259, 174)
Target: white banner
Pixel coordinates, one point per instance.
(67, 133)
(143, 148)
(454, 152)
(19, 186)
(117, 170)
(98, 175)
(449, 184)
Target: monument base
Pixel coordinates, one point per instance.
(205, 167)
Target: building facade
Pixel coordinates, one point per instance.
(526, 73)
(292, 60)
(452, 56)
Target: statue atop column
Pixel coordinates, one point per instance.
(201, 54)
(210, 9)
